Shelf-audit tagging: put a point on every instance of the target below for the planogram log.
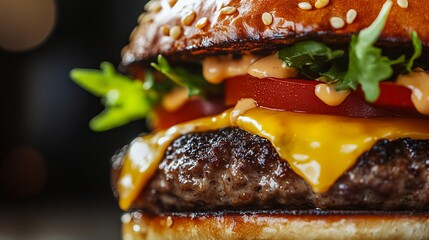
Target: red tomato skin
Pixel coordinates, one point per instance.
(298, 95)
(395, 99)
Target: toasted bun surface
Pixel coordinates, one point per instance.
(278, 226)
(162, 30)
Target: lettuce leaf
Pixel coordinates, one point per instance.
(417, 51)
(309, 56)
(364, 64)
(195, 83)
(125, 99)
(367, 65)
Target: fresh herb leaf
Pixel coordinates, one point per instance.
(125, 99)
(195, 83)
(309, 56)
(308, 53)
(417, 51)
(367, 65)
(336, 72)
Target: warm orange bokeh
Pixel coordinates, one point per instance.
(25, 24)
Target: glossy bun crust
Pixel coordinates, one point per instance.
(276, 226)
(162, 30)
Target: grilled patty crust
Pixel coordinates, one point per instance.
(231, 169)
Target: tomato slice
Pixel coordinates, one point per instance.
(194, 108)
(395, 99)
(298, 96)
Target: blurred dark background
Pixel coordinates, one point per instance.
(54, 171)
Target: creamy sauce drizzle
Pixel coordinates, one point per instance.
(175, 99)
(318, 148)
(418, 82)
(271, 66)
(328, 94)
(217, 69)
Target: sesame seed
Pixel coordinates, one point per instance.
(402, 3)
(267, 18)
(202, 23)
(172, 2)
(137, 216)
(126, 218)
(146, 18)
(188, 18)
(228, 10)
(321, 3)
(165, 30)
(140, 17)
(133, 33)
(155, 6)
(351, 16)
(337, 22)
(175, 32)
(147, 5)
(305, 6)
(169, 221)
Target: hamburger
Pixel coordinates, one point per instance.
(272, 120)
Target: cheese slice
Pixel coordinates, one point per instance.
(319, 148)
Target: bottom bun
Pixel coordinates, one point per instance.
(285, 225)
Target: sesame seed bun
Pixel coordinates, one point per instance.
(196, 28)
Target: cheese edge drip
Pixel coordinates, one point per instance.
(303, 140)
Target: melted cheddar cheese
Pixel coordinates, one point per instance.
(319, 148)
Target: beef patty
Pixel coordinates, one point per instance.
(231, 169)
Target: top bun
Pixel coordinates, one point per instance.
(193, 28)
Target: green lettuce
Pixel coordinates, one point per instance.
(363, 64)
(125, 99)
(309, 56)
(417, 51)
(195, 83)
(367, 65)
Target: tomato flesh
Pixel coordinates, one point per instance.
(298, 96)
(291, 95)
(395, 99)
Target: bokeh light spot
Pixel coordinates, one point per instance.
(23, 173)
(25, 24)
